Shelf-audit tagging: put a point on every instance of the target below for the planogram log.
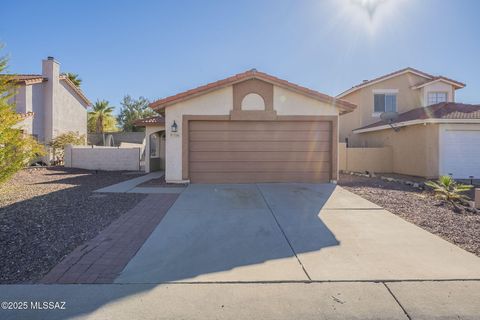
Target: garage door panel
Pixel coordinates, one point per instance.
(259, 151)
(260, 136)
(241, 177)
(258, 146)
(259, 126)
(259, 166)
(259, 156)
(460, 154)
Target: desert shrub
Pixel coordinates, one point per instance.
(58, 144)
(448, 190)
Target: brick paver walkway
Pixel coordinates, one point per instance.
(101, 259)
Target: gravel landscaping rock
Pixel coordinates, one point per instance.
(45, 213)
(418, 207)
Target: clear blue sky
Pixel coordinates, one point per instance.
(159, 48)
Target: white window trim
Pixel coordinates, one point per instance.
(383, 91)
(436, 92)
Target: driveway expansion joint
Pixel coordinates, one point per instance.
(398, 302)
(283, 232)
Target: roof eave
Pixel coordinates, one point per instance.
(415, 122)
(344, 106)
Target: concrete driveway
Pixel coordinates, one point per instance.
(290, 232)
(274, 251)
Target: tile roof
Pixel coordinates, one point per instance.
(25, 78)
(429, 78)
(151, 121)
(444, 110)
(251, 74)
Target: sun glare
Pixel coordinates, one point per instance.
(369, 14)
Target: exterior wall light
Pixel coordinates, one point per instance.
(174, 127)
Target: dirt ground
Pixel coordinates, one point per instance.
(45, 213)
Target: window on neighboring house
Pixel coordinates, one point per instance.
(385, 102)
(436, 97)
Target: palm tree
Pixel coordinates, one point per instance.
(74, 78)
(101, 112)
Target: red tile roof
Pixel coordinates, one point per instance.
(444, 110)
(251, 74)
(151, 121)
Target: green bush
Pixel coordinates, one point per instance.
(450, 191)
(58, 144)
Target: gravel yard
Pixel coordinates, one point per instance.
(418, 207)
(45, 213)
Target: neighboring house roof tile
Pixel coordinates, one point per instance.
(151, 121)
(429, 77)
(455, 83)
(251, 74)
(443, 111)
(26, 78)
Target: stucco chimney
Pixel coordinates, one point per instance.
(50, 71)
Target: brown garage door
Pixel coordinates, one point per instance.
(259, 151)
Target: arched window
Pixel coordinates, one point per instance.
(253, 101)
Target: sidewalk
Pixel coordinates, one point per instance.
(325, 300)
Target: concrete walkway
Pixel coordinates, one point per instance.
(128, 185)
(290, 232)
(275, 301)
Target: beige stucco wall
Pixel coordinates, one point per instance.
(363, 115)
(379, 160)
(415, 149)
(102, 158)
(220, 102)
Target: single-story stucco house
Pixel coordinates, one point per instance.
(251, 127)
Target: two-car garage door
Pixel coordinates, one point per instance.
(259, 151)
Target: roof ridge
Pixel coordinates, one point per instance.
(252, 73)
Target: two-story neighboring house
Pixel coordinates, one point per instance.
(432, 134)
(50, 103)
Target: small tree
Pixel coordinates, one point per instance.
(58, 144)
(133, 109)
(101, 119)
(16, 148)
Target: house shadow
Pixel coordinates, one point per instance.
(210, 232)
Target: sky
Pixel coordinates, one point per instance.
(159, 48)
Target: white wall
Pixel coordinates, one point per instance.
(102, 158)
(63, 110)
(68, 113)
(219, 102)
(287, 102)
